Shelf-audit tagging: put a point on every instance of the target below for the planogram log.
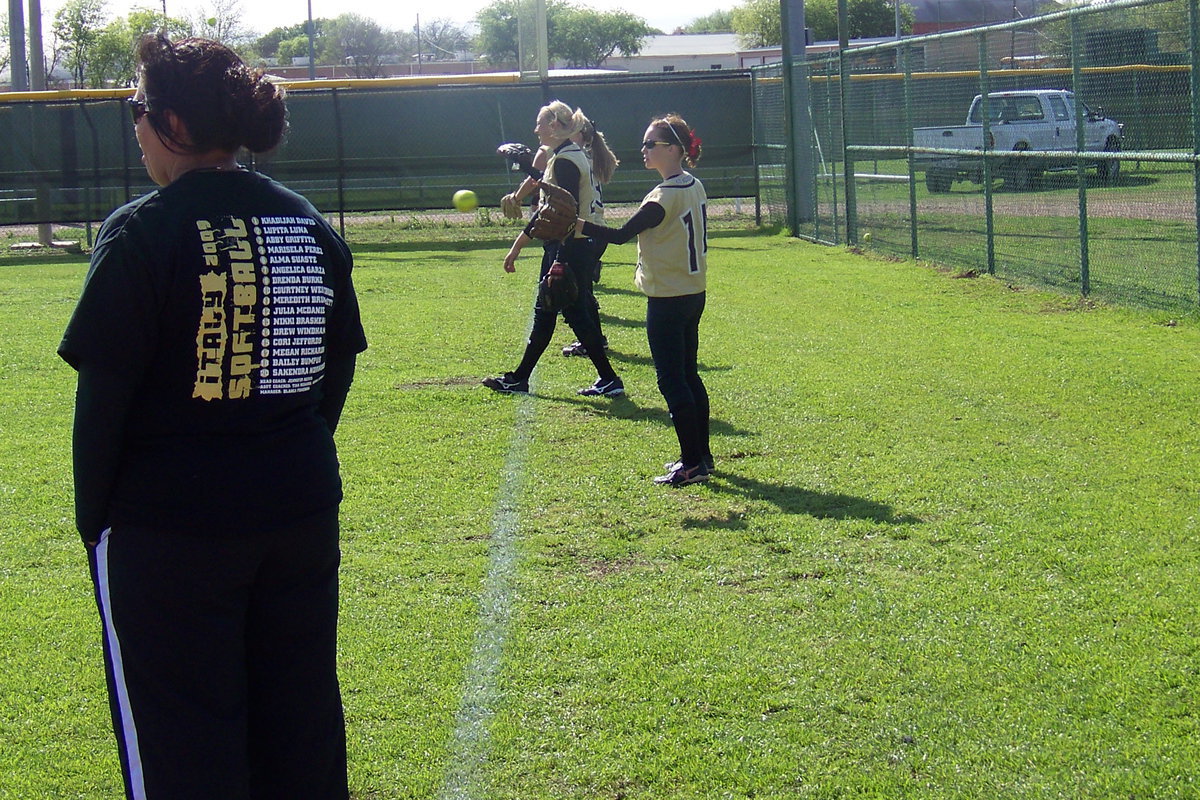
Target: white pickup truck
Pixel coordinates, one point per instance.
(1028, 120)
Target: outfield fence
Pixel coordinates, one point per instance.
(1116, 219)
(828, 147)
(370, 145)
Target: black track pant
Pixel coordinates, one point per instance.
(221, 662)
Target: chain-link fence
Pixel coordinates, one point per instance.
(373, 145)
(1058, 149)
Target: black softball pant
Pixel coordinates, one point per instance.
(673, 331)
(221, 662)
(580, 258)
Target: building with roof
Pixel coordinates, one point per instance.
(681, 52)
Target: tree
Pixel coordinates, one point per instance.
(76, 27)
(296, 47)
(112, 54)
(586, 38)
(1170, 20)
(757, 22)
(267, 45)
(361, 44)
(222, 20)
(498, 28)
(577, 35)
(5, 53)
(443, 38)
(870, 18)
(716, 22)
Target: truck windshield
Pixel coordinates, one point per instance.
(1002, 109)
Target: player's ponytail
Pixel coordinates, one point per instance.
(604, 161)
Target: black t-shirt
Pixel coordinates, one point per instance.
(220, 302)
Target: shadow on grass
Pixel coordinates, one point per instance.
(620, 322)
(1054, 181)
(602, 289)
(625, 407)
(644, 359)
(797, 500)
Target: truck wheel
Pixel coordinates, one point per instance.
(938, 183)
(1109, 172)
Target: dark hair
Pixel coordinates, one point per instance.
(676, 131)
(223, 104)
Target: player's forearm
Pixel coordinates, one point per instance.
(648, 216)
(519, 244)
(525, 189)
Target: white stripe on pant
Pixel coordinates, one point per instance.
(125, 712)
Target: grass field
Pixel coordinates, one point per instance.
(950, 550)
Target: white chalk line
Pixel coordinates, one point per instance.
(471, 742)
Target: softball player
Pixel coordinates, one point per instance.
(604, 163)
(568, 167)
(215, 341)
(671, 228)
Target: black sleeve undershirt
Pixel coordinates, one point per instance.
(650, 215)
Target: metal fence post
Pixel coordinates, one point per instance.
(833, 178)
(127, 135)
(908, 124)
(754, 144)
(341, 163)
(1085, 278)
(985, 87)
(844, 93)
(89, 192)
(1194, 41)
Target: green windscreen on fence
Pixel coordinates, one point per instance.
(361, 149)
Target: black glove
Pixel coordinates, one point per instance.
(558, 289)
(520, 158)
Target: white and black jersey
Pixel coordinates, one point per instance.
(671, 227)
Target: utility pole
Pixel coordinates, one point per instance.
(37, 81)
(37, 62)
(18, 66)
(312, 59)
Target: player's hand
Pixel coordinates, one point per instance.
(510, 206)
(510, 261)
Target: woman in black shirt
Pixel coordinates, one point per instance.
(215, 341)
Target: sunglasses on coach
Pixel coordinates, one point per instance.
(137, 108)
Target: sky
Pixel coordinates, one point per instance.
(263, 15)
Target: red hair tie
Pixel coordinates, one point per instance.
(694, 149)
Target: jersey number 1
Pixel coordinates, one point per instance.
(697, 240)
